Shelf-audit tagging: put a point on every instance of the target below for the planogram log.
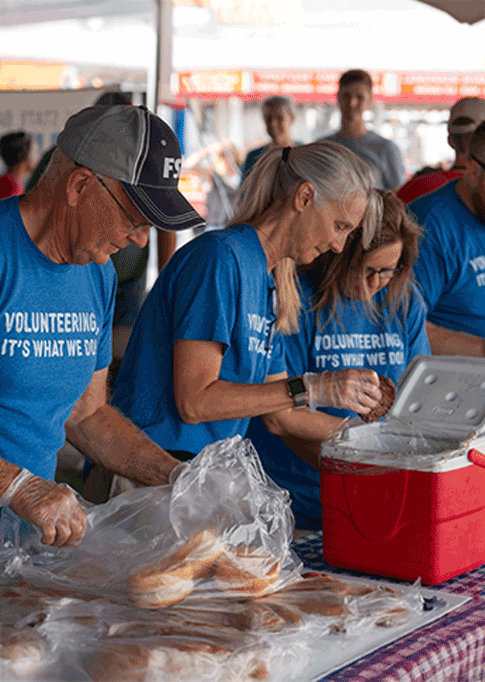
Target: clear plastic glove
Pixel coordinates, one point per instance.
(52, 507)
(350, 389)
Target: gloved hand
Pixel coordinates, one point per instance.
(50, 506)
(351, 389)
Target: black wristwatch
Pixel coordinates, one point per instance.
(297, 390)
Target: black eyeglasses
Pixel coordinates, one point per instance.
(136, 226)
(385, 273)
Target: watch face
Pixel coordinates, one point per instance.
(296, 385)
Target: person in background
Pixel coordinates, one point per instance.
(279, 114)
(219, 168)
(354, 97)
(15, 150)
(451, 264)
(361, 309)
(465, 116)
(113, 175)
(205, 356)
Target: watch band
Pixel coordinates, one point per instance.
(297, 390)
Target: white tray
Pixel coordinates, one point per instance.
(338, 657)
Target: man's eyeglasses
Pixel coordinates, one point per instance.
(136, 226)
(385, 273)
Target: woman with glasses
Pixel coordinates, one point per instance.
(362, 311)
(205, 354)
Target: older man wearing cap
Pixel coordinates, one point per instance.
(113, 175)
(465, 116)
(451, 263)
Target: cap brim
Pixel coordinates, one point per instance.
(166, 209)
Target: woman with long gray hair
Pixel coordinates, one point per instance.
(205, 354)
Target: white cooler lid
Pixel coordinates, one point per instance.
(438, 414)
(445, 392)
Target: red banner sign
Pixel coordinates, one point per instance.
(321, 86)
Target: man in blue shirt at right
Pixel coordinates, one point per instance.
(451, 263)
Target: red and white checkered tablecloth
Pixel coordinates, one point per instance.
(451, 649)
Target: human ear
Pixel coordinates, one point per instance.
(76, 184)
(304, 196)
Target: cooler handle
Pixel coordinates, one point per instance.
(476, 457)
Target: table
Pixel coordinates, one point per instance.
(452, 649)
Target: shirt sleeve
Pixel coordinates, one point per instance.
(205, 297)
(104, 353)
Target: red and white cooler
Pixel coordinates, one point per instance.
(412, 503)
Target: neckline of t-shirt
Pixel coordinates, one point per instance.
(369, 133)
(32, 246)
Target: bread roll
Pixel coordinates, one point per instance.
(320, 581)
(23, 650)
(246, 570)
(170, 580)
(116, 662)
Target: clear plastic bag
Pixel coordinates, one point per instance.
(391, 445)
(186, 582)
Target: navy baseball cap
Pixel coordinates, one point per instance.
(133, 145)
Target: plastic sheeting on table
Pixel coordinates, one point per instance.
(73, 613)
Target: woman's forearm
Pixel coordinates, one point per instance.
(228, 400)
(303, 424)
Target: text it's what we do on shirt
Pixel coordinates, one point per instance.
(55, 332)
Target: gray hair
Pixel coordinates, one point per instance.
(336, 174)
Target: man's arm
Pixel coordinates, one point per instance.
(444, 341)
(8, 472)
(107, 437)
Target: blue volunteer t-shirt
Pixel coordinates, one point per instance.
(451, 263)
(55, 332)
(385, 347)
(215, 288)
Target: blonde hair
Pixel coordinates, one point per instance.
(336, 174)
(337, 275)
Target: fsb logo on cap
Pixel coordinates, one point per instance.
(171, 167)
(136, 147)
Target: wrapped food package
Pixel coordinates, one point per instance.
(190, 582)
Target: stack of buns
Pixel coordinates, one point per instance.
(225, 626)
(237, 570)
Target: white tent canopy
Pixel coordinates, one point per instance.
(16, 12)
(397, 35)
